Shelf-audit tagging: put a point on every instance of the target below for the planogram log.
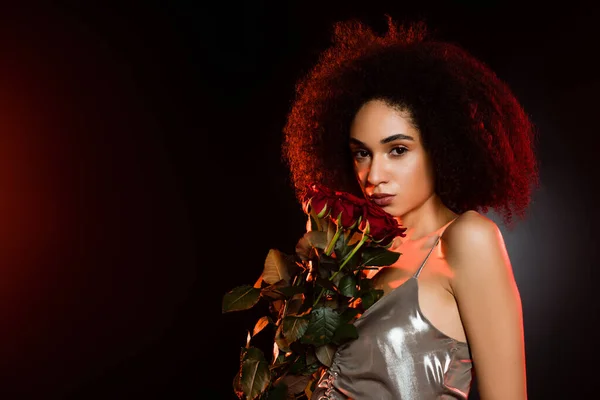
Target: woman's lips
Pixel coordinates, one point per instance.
(383, 201)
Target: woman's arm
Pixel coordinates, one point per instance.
(489, 304)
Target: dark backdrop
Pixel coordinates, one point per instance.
(141, 179)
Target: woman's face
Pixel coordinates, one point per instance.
(389, 158)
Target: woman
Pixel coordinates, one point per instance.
(433, 136)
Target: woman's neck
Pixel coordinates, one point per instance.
(425, 221)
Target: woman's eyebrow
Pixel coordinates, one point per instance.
(398, 136)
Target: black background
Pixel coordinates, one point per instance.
(141, 180)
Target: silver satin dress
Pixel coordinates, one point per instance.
(398, 355)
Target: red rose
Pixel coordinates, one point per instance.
(383, 227)
(351, 208)
(327, 202)
(318, 197)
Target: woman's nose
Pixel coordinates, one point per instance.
(377, 171)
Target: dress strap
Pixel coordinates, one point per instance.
(416, 275)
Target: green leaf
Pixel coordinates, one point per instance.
(261, 324)
(277, 267)
(297, 305)
(273, 291)
(332, 301)
(297, 347)
(365, 284)
(348, 314)
(296, 383)
(347, 286)
(312, 368)
(280, 340)
(311, 357)
(280, 361)
(292, 290)
(327, 264)
(254, 373)
(323, 323)
(378, 256)
(327, 284)
(240, 298)
(344, 251)
(315, 222)
(342, 248)
(325, 354)
(308, 242)
(299, 365)
(279, 392)
(252, 353)
(353, 262)
(344, 333)
(275, 307)
(370, 297)
(316, 239)
(294, 327)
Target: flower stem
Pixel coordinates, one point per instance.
(346, 259)
(331, 245)
(349, 256)
(319, 296)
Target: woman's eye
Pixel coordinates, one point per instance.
(400, 150)
(360, 154)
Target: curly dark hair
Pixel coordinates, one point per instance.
(479, 138)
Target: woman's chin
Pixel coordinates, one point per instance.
(393, 211)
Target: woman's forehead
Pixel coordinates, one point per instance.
(376, 121)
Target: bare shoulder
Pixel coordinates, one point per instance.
(489, 303)
(473, 244)
(469, 226)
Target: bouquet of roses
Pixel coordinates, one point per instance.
(315, 295)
